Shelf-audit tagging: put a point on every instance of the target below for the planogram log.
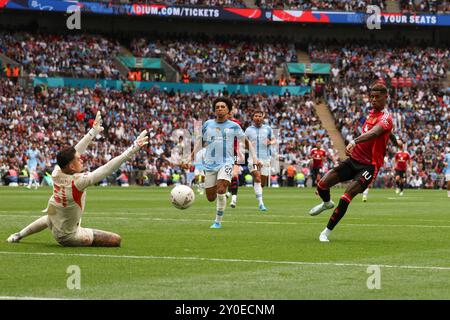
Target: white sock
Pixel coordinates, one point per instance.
(34, 227)
(366, 192)
(221, 203)
(326, 231)
(448, 193)
(234, 198)
(258, 192)
(30, 181)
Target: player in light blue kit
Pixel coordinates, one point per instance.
(33, 155)
(261, 138)
(219, 134)
(447, 170)
(199, 172)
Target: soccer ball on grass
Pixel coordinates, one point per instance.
(182, 197)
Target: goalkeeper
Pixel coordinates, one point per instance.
(67, 203)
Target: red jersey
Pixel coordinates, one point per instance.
(236, 143)
(401, 159)
(317, 155)
(373, 151)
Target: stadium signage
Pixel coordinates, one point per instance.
(230, 14)
(387, 18)
(158, 10)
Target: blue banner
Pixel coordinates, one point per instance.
(221, 13)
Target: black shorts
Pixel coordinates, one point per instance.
(316, 171)
(400, 173)
(351, 169)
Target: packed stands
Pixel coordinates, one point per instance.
(328, 5)
(65, 114)
(425, 6)
(45, 55)
(417, 100)
(216, 61)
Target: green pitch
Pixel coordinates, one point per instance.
(171, 254)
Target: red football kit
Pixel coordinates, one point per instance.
(317, 156)
(401, 159)
(372, 152)
(236, 142)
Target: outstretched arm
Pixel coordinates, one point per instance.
(87, 139)
(106, 170)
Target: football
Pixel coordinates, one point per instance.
(182, 197)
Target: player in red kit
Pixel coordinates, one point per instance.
(366, 156)
(396, 143)
(402, 160)
(234, 185)
(318, 156)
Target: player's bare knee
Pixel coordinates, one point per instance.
(330, 179)
(211, 197)
(222, 190)
(222, 187)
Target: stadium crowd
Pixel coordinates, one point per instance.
(412, 72)
(217, 61)
(417, 101)
(425, 6)
(216, 3)
(55, 117)
(46, 55)
(328, 5)
(406, 6)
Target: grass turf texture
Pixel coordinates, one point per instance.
(167, 253)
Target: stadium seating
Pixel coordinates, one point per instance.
(329, 5)
(45, 55)
(413, 73)
(219, 3)
(215, 61)
(425, 6)
(417, 99)
(161, 112)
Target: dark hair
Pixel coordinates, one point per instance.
(65, 156)
(255, 111)
(379, 87)
(226, 100)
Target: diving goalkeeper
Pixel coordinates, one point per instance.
(66, 205)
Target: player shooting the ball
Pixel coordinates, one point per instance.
(66, 205)
(366, 157)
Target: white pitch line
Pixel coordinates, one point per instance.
(146, 214)
(247, 222)
(334, 264)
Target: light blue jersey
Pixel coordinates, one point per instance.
(32, 158)
(447, 160)
(200, 159)
(258, 137)
(219, 139)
